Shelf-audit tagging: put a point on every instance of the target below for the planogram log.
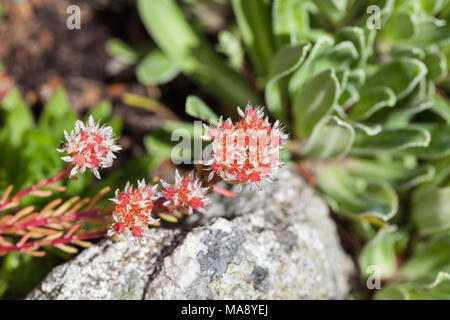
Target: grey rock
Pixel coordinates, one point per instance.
(279, 243)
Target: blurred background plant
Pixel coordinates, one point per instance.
(364, 94)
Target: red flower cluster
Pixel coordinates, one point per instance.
(132, 213)
(89, 146)
(247, 151)
(186, 193)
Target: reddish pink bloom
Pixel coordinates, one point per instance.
(89, 146)
(132, 212)
(185, 195)
(246, 151)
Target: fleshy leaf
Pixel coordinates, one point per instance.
(314, 101)
(431, 210)
(398, 173)
(156, 68)
(439, 288)
(401, 75)
(390, 140)
(372, 101)
(331, 138)
(380, 252)
(290, 20)
(287, 60)
(197, 108)
(355, 198)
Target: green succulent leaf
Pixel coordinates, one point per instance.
(156, 68)
(287, 60)
(436, 65)
(357, 37)
(355, 198)
(314, 101)
(431, 210)
(428, 258)
(331, 138)
(401, 174)
(290, 20)
(371, 101)
(439, 288)
(400, 27)
(333, 10)
(438, 146)
(441, 107)
(390, 140)
(197, 108)
(302, 74)
(401, 75)
(381, 253)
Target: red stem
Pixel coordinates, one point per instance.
(40, 243)
(61, 175)
(223, 192)
(38, 222)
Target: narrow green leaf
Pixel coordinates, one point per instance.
(192, 54)
(253, 18)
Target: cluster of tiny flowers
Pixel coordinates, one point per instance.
(186, 194)
(247, 151)
(132, 212)
(90, 146)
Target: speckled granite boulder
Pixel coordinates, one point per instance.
(275, 244)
